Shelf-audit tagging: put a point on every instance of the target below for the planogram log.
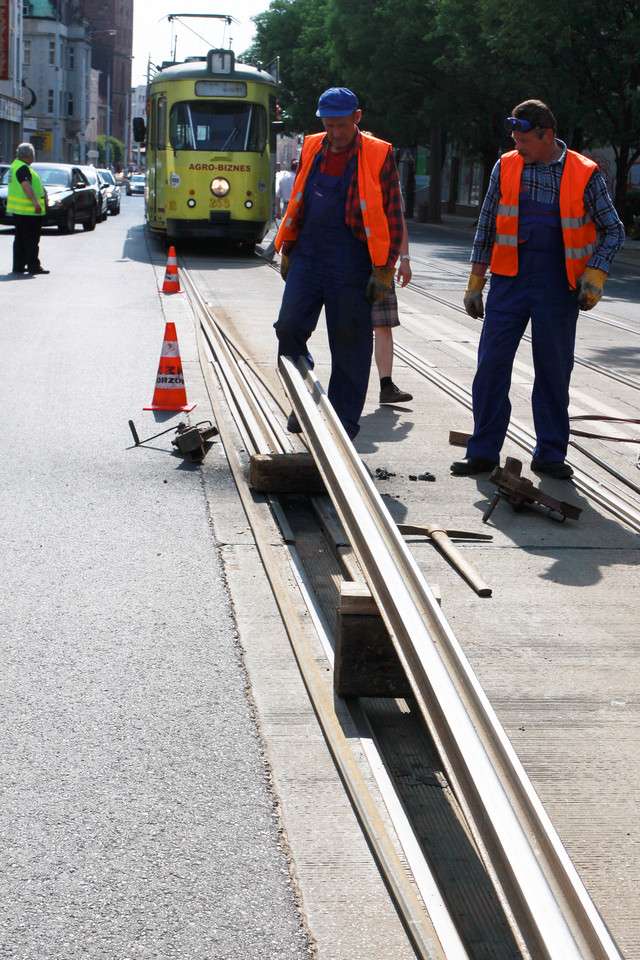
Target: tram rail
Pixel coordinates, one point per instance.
(549, 909)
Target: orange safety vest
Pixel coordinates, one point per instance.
(371, 158)
(578, 229)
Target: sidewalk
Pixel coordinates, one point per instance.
(629, 254)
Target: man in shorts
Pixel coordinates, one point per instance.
(385, 316)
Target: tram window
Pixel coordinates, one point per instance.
(218, 125)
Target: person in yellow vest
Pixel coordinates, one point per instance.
(340, 239)
(26, 201)
(549, 232)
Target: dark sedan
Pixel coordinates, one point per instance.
(70, 197)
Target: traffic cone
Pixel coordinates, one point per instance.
(171, 279)
(170, 393)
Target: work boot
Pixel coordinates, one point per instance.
(472, 465)
(391, 394)
(293, 424)
(558, 469)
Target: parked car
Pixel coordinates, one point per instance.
(135, 184)
(113, 192)
(70, 197)
(99, 185)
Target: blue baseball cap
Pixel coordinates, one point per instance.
(337, 102)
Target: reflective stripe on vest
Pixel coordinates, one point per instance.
(17, 200)
(371, 158)
(578, 229)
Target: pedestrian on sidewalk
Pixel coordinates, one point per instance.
(340, 240)
(385, 316)
(284, 186)
(550, 233)
(26, 201)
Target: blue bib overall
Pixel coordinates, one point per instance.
(539, 292)
(330, 268)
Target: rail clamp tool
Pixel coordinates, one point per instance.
(520, 492)
(188, 440)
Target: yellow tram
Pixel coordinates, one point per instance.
(210, 139)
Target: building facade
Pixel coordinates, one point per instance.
(56, 65)
(11, 90)
(111, 26)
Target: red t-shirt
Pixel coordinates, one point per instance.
(335, 163)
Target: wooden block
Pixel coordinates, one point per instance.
(285, 473)
(366, 663)
(355, 598)
(458, 439)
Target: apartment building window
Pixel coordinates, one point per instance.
(50, 101)
(72, 57)
(52, 53)
(70, 104)
(26, 53)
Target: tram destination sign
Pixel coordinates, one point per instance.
(221, 88)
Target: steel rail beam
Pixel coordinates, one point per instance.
(553, 915)
(417, 922)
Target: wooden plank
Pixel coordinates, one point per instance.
(285, 473)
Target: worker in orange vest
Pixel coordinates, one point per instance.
(550, 233)
(340, 239)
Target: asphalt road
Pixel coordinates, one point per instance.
(137, 818)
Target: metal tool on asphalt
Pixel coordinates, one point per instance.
(520, 492)
(189, 439)
(442, 538)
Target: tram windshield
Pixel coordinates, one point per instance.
(218, 125)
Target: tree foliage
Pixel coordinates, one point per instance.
(422, 68)
(116, 150)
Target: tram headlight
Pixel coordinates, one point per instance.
(191, 202)
(219, 187)
(248, 204)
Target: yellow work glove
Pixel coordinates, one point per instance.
(589, 288)
(285, 259)
(379, 284)
(473, 296)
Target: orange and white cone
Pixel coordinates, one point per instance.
(171, 279)
(170, 393)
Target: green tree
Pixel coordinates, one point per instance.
(430, 70)
(582, 59)
(116, 150)
(295, 31)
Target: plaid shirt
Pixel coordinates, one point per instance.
(542, 181)
(391, 199)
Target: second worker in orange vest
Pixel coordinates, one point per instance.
(550, 233)
(340, 238)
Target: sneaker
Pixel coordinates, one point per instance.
(293, 424)
(39, 270)
(472, 465)
(558, 469)
(391, 394)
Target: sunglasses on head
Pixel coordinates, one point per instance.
(515, 123)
